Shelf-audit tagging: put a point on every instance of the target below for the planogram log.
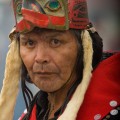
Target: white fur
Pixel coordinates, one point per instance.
(10, 87)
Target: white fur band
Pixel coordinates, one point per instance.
(10, 87)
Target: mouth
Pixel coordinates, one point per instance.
(43, 73)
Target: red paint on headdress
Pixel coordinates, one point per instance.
(78, 15)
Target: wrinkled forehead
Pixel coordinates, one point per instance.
(46, 32)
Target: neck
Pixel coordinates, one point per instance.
(57, 98)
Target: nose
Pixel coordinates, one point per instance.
(42, 55)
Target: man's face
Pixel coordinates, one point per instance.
(50, 57)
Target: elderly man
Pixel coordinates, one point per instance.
(54, 47)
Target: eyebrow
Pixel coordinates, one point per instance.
(25, 37)
(55, 34)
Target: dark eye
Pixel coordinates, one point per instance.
(55, 43)
(30, 44)
(53, 5)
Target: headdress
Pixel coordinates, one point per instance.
(50, 14)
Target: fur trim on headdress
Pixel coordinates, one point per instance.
(75, 103)
(10, 87)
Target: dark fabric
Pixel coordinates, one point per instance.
(106, 55)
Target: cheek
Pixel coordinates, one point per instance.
(27, 58)
(66, 61)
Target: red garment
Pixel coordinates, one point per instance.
(103, 89)
(33, 115)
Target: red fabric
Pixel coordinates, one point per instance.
(33, 115)
(23, 25)
(57, 20)
(104, 87)
(39, 19)
(22, 116)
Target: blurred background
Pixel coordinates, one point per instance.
(104, 15)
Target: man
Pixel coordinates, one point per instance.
(54, 47)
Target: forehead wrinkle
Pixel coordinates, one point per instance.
(50, 34)
(24, 37)
(43, 35)
(56, 34)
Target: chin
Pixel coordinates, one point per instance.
(49, 89)
(47, 85)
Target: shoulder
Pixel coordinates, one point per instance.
(108, 71)
(109, 67)
(103, 95)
